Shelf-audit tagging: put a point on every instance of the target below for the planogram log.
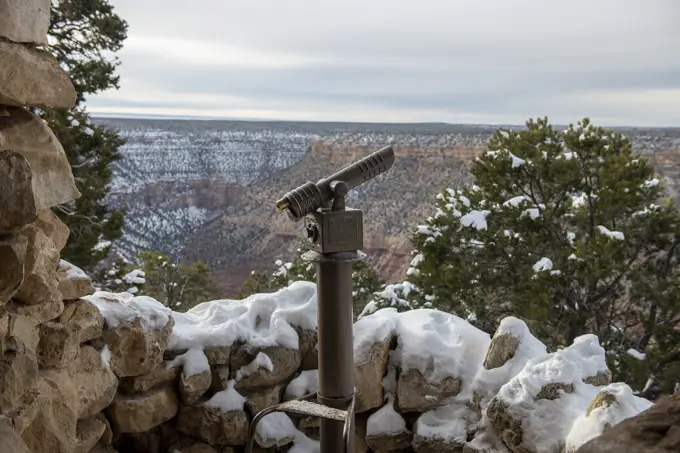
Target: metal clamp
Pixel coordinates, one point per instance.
(302, 406)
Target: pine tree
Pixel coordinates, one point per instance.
(179, 286)
(568, 231)
(81, 34)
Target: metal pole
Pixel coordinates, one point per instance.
(336, 352)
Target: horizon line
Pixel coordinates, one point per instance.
(143, 116)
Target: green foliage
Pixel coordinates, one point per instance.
(119, 277)
(179, 286)
(91, 150)
(364, 277)
(83, 34)
(565, 230)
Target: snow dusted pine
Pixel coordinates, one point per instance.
(567, 230)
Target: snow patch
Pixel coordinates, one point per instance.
(260, 320)
(307, 382)
(611, 234)
(227, 400)
(192, 362)
(124, 308)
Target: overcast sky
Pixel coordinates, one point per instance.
(456, 61)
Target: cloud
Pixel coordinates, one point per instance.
(376, 60)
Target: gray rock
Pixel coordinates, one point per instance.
(36, 79)
(25, 21)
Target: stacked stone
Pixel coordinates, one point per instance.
(53, 385)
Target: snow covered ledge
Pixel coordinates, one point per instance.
(425, 378)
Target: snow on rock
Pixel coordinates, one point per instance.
(136, 331)
(613, 404)
(512, 346)
(261, 360)
(74, 283)
(192, 362)
(227, 400)
(307, 382)
(611, 234)
(124, 308)
(71, 270)
(437, 353)
(536, 409)
(259, 320)
(275, 430)
(386, 420)
(386, 429)
(444, 426)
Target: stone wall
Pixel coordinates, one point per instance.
(119, 373)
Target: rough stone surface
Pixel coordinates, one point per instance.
(41, 282)
(141, 412)
(286, 362)
(198, 448)
(18, 373)
(33, 78)
(73, 284)
(310, 356)
(432, 445)
(107, 435)
(84, 315)
(58, 346)
(508, 428)
(25, 411)
(213, 426)
(385, 443)
(217, 355)
(601, 378)
(53, 227)
(368, 376)
(17, 202)
(12, 257)
(192, 388)
(95, 382)
(501, 349)
(134, 350)
(46, 311)
(28, 135)
(25, 21)
(88, 433)
(54, 428)
(161, 375)
(416, 394)
(25, 329)
(657, 430)
(10, 440)
(258, 399)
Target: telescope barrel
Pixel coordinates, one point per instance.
(365, 169)
(309, 197)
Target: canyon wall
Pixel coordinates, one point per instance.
(206, 189)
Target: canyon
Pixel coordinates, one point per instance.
(206, 190)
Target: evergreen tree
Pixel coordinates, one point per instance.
(120, 276)
(82, 34)
(179, 286)
(568, 231)
(365, 279)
